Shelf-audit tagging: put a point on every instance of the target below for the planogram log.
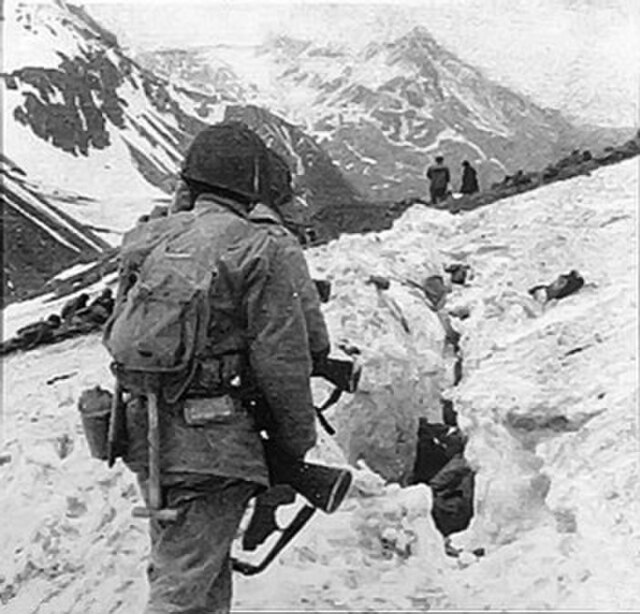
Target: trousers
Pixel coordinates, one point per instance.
(189, 570)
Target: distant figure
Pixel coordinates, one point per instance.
(72, 306)
(37, 333)
(98, 311)
(439, 176)
(469, 179)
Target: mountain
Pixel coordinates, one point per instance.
(102, 137)
(383, 112)
(39, 238)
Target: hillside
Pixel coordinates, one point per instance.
(39, 238)
(548, 399)
(384, 111)
(101, 138)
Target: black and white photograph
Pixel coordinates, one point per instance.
(319, 306)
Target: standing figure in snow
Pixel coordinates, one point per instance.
(439, 177)
(256, 347)
(469, 179)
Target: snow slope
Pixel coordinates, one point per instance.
(548, 399)
(43, 238)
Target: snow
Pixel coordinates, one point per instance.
(29, 42)
(449, 134)
(74, 270)
(17, 315)
(58, 220)
(548, 399)
(106, 173)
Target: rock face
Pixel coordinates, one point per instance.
(42, 238)
(85, 119)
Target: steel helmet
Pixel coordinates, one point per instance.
(229, 155)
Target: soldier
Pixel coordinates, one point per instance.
(469, 179)
(439, 177)
(257, 346)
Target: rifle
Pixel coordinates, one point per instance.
(323, 487)
(344, 375)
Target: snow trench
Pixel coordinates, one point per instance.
(548, 400)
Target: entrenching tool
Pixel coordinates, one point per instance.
(154, 507)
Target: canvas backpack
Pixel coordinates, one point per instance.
(161, 314)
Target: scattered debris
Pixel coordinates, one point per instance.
(562, 286)
(59, 378)
(459, 273)
(381, 283)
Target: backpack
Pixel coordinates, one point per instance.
(161, 313)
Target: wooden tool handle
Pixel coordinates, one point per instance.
(155, 494)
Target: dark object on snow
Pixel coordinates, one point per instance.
(437, 444)
(98, 311)
(449, 414)
(72, 306)
(440, 463)
(469, 179)
(323, 286)
(457, 367)
(382, 283)
(59, 378)
(563, 286)
(452, 489)
(458, 272)
(33, 335)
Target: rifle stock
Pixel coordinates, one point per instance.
(323, 487)
(343, 374)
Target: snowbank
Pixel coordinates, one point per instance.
(548, 398)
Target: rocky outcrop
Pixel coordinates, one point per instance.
(40, 239)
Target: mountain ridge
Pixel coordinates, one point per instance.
(383, 111)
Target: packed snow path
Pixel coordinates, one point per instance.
(549, 399)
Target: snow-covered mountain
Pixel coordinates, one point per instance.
(383, 112)
(101, 137)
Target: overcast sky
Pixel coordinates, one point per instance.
(561, 52)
